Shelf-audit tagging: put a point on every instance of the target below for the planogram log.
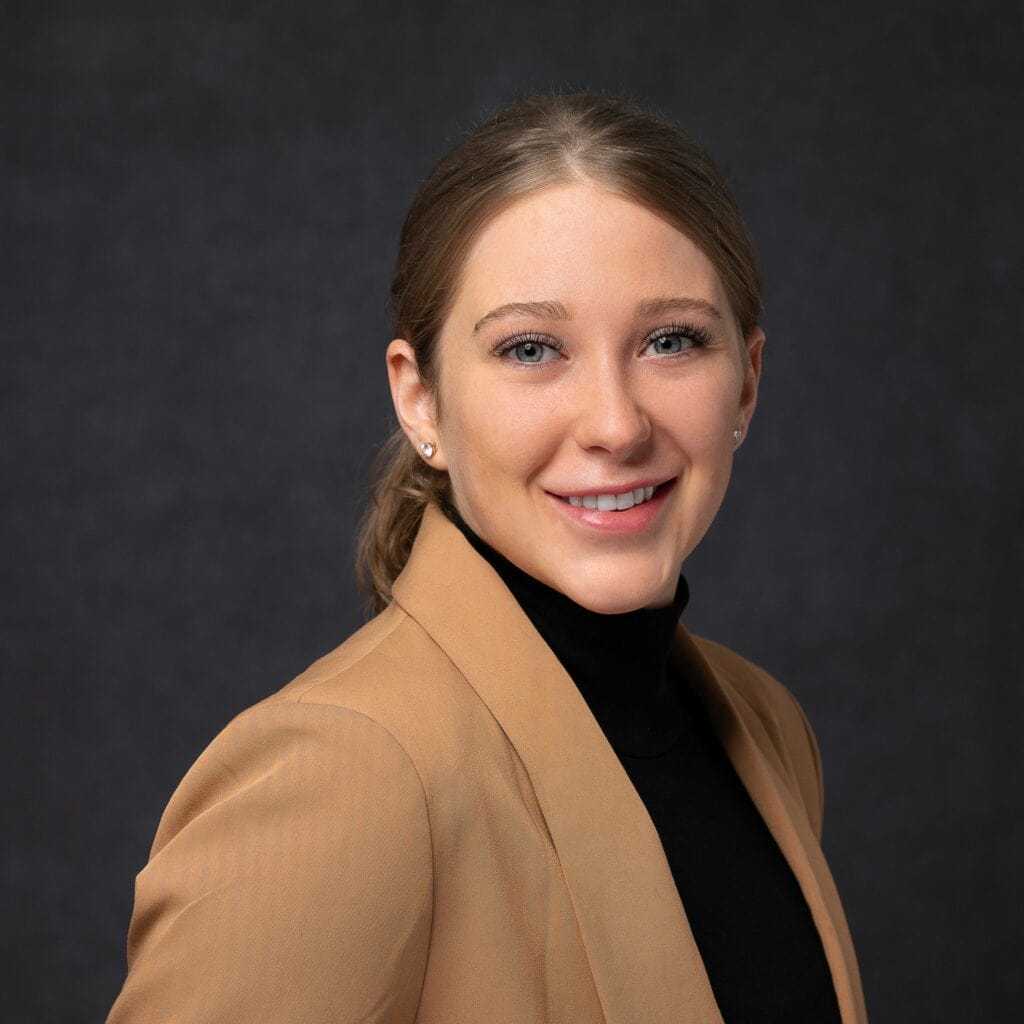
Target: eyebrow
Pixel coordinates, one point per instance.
(670, 304)
(546, 310)
(551, 309)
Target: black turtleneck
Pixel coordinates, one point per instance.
(751, 922)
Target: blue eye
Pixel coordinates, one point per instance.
(676, 339)
(670, 344)
(530, 350)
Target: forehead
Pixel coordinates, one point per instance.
(585, 246)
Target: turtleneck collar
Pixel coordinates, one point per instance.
(619, 662)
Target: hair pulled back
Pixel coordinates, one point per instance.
(541, 141)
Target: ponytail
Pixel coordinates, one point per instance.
(401, 486)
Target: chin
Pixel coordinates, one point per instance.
(611, 597)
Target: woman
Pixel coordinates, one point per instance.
(524, 792)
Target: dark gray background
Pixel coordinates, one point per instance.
(200, 205)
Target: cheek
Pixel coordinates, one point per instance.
(499, 438)
(701, 418)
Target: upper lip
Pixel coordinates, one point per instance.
(582, 492)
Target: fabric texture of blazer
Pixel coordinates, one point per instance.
(429, 825)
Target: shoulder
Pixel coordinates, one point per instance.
(301, 821)
(777, 720)
(388, 662)
(383, 698)
(294, 760)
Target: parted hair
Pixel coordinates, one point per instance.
(540, 141)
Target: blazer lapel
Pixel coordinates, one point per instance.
(645, 962)
(644, 958)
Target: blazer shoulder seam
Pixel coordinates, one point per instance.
(300, 695)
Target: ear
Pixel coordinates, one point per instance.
(414, 402)
(752, 345)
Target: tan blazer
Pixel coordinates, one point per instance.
(429, 825)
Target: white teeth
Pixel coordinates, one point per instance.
(613, 502)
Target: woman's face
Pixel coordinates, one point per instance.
(590, 352)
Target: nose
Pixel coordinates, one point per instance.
(609, 414)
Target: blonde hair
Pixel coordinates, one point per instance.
(543, 140)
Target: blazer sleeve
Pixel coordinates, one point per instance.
(290, 879)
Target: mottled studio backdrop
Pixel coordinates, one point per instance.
(199, 206)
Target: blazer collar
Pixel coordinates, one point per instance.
(644, 958)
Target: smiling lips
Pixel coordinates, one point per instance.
(613, 502)
(623, 513)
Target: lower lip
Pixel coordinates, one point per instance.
(630, 520)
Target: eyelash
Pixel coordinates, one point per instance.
(700, 337)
